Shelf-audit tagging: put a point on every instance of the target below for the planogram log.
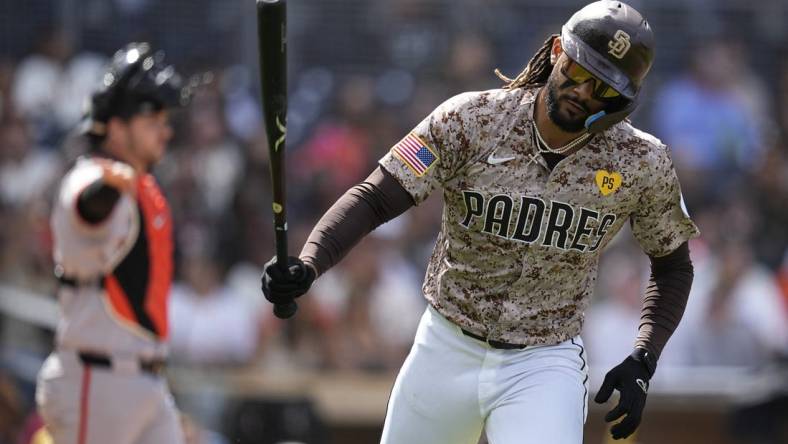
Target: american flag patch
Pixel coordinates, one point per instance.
(414, 153)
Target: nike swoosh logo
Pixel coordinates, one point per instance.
(492, 160)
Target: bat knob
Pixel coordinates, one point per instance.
(285, 311)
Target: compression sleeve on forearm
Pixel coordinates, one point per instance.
(665, 299)
(96, 201)
(376, 200)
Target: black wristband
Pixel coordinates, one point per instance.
(646, 358)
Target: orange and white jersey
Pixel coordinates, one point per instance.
(123, 265)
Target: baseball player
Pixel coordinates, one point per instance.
(537, 177)
(113, 253)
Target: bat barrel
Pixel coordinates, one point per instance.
(272, 43)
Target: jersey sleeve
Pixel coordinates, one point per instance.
(84, 174)
(81, 248)
(661, 223)
(436, 149)
(79, 178)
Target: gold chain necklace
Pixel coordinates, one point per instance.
(560, 150)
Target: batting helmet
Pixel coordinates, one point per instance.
(614, 42)
(137, 80)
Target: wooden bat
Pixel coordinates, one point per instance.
(272, 44)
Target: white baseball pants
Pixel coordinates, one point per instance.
(451, 387)
(92, 405)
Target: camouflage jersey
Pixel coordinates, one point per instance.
(517, 254)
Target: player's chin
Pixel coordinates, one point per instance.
(157, 154)
(573, 110)
(567, 117)
(572, 120)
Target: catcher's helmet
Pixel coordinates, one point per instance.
(136, 80)
(615, 43)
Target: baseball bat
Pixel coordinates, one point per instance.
(272, 44)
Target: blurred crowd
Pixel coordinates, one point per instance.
(725, 121)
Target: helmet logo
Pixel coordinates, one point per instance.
(619, 46)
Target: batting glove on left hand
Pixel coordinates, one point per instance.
(281, 287)
(631, 379)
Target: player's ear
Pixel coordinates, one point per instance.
(116, 130)
(555, 50)
(113, 125)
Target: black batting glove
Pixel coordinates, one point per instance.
(281, 287)
(631, 379)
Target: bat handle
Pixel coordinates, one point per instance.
(288, 309)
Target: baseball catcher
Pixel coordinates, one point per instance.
(113, 252)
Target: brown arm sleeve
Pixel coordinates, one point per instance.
(665, 299)
(376, 200)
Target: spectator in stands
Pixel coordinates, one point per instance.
(768, 192)
(12, 410)
(336, 154)
(364, 316)
(27, 175)
(34, 431)
(782, 279)
(617, 305)
(710, 117)
(211, 323)
(209, 158)
(470, 63)
(26, 170)
(51, 83)
(735, 313)
(6, 86)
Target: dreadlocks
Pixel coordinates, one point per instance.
(536, 72)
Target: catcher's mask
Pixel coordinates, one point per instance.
(137, 80)
(613, 42)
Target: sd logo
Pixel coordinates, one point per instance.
(608, 182)
(620, 46)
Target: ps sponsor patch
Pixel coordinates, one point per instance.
(414, 153)
(608, 182)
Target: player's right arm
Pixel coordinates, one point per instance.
(429, 155)
(366, 206)
(92, 225)
(96, 200)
